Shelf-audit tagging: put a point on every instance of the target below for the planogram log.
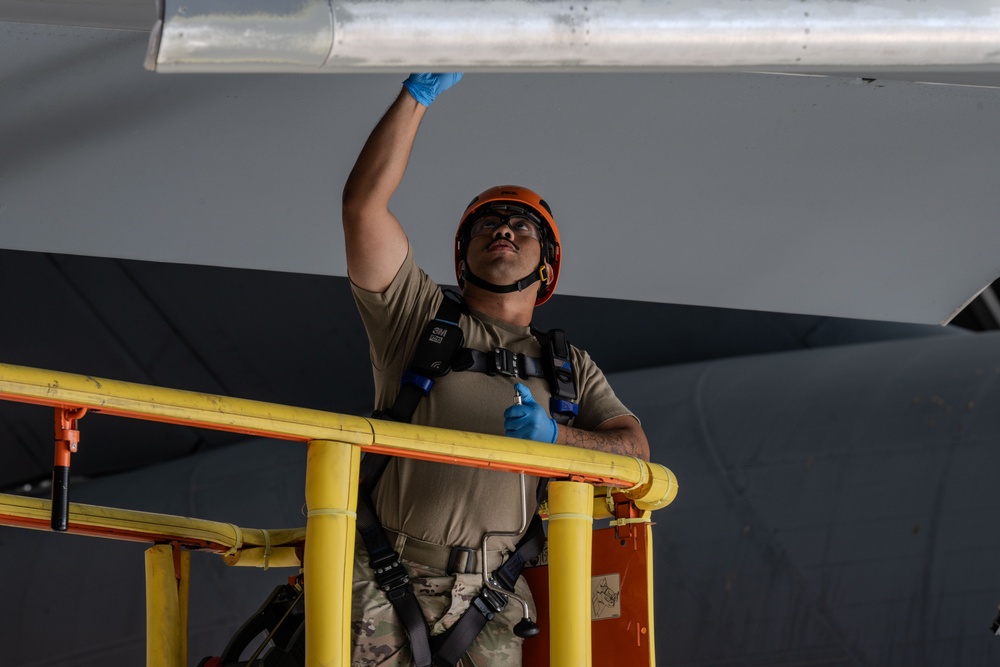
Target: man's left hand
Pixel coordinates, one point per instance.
(529, 421)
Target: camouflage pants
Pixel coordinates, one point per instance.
(378, 638)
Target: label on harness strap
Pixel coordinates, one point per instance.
(437, 347)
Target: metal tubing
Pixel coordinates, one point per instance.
(488, 580)
(505, 35)
(164, 634)
(570, 540)
(328, 565)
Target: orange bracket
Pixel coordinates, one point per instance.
(626, 514)
(67, 442)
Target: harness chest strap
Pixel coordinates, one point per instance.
(440, 350)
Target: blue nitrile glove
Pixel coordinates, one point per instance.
(425, 87)
(529, 421)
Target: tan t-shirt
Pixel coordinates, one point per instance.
(447, 504)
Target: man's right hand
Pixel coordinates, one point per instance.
(529, 420)
(426, 87)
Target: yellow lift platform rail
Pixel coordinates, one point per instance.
(335, 443)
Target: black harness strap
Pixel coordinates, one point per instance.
(555, 366)
(390, 573)
(499, 361)
(438, 352)
(518, 286)
(438, 346)
(559, 372)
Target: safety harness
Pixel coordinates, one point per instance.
(440, 351)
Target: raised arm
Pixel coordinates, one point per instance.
(376, 243)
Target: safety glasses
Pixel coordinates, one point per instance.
(520, 221)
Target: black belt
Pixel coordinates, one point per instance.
(451, 560)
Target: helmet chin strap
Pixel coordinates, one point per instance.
(518, 286)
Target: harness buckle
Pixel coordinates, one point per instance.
(489, 602)
(504, 363)
(392, 578)
(456, 554)
(483, 608)
(494, 600)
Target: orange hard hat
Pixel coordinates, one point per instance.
(517, 196)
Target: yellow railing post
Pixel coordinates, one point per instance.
(571, 524)
(328, 565)
(166, 606)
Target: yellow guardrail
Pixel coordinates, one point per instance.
(335, 444)
(650, 485)
(239, 546)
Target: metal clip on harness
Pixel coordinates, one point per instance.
(525, 628)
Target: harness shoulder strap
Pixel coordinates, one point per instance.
(437, 348)
(558, 367)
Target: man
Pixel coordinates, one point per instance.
(435, 515)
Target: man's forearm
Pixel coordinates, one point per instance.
(382, 162)
(625, 440)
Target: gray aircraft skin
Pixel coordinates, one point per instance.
(761, 263)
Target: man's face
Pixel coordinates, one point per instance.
(504, 246)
